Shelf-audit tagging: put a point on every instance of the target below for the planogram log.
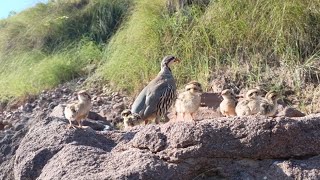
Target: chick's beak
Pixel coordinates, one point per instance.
(177, 60)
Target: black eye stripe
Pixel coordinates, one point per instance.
(170, 59)
(192, 88)
(86, 95)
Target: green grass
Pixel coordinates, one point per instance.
(53, 26)
(132, 56)
(53, 43)
(29, 73)
(248, 42)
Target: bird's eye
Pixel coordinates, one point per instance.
(192, 89)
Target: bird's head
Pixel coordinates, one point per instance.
(167, 61)
(252, 94)
(194, 87)
(126, 113)
(262, 89)
(227, 93)
(84, 96)
(272, 95)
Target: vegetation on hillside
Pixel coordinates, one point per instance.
(55, 42)
(247, 43)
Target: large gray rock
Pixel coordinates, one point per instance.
(222, 148)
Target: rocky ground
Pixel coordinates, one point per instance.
(35, 142)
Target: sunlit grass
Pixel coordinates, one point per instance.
(250, 37)
(55, 42)
(249, 42)
(30, 73)
(133, 55)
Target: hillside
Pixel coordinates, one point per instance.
(237, 44)
(39, 145)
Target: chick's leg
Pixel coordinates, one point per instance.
(183, 116)
(192, 116)
(192, 119)
(70, 125)
(79, 122)
(189, 117)
(179, 117)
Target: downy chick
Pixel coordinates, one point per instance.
(78, 111)
(228, 104)
(268, 105)
(129, 119)
(250, 105)
(188, 102)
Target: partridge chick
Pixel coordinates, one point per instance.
(250, 105)
(268, 105)
(78, 111)
(129, 119)
(228, 104)
(188, 102)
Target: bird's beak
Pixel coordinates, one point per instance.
(240, 96)
(177, 60)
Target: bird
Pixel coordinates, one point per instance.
(129, 119)
(250, 105)
(188, 102)
(78, 111)
(157, 97)
(228, 104)
(268, 104)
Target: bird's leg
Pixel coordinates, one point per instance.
(187, 117)
(146, 121)
(183, 115)
(192, 116)
(71, 125)
(80, 123)
(179, 117)
(157, 120)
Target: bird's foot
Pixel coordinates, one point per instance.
(71, 126)
(257, 115)
(194, 122)
(190, 118)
